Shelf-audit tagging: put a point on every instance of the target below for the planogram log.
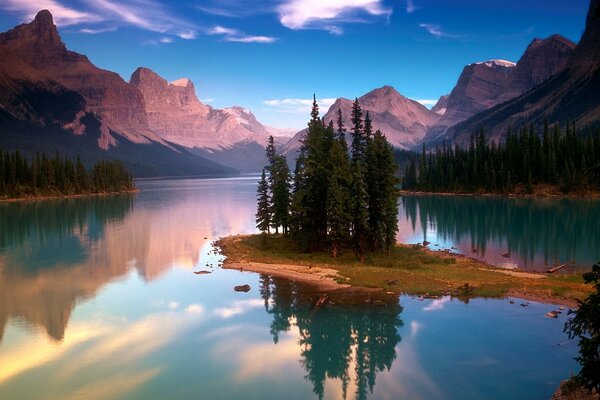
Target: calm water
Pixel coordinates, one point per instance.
(532, 234)
(98, 300)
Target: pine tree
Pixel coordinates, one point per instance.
(263, 209)
(338, 198)
(359, 190)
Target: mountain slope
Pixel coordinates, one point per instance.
(403, 121)
(52, 99)
(231, 136)
(571, 95)
(484, 85)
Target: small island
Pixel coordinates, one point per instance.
(335, 227)
(407, 269)
(44, 177)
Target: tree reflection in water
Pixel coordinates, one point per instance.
(537, 232)
(345, 339)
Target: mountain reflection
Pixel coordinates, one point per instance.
(339, 341)
(45, 260)
(534, 232)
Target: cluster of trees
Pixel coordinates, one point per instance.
(566, 159)
(337, 197)
(59, 176)
(585, 326)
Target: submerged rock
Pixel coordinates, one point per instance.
(242, 288)
(202, 272)
(552, 314)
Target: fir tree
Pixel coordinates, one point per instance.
(263, 209)
(359, 189)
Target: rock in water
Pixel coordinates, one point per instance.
(242, 288)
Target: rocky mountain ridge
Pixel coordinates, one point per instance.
(483, 85)
(571, 95)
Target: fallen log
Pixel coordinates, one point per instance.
(553, 270)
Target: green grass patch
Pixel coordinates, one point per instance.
(409, 269)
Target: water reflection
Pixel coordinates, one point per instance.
(527, 233)
(346, 342)
(51, 254)
(56, 253)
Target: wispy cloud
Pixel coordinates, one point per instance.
(98, 16)
(297, 106)
(145, 14)
(233, 8)
(436, 30)
(91, 31)
(410, 6)
(427, 102)
(437, 304)
(63, 15)
(234, 35)
(328, 15)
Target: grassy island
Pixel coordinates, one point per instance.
(408, 269)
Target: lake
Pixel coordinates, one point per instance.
(98, 300)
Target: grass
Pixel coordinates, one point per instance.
(409, 269)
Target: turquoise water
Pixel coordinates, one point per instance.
(98, 300)
(532, 234)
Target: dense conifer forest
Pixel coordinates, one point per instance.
(566, 159)
(337, 198)
(59, 176)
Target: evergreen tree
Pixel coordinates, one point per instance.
(359, 189)
(280, 190)
(338, 198)
(263, 209)
(585, 326)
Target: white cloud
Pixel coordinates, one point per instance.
(91, 31)
(194, 309)
(165, 39)
(144, 14)
(427, 102)
(239, 307)
(328, 15)
(297, 106)
(188, 35)
(221, 30)
(437, 304)
(410, 6)
(63, 15)
(234, 35)
(436, 30)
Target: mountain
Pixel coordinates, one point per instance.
(231, 136)
(55, 99)
(118, 105)
(484, 85)
(403, 121)
(569, 95)
(441, 105)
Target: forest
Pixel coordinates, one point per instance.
(566, 159)
(59, 176)
(338, 197)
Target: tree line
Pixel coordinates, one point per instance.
(565, 159)
(337, 197)
(20, 177)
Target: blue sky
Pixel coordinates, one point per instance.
(271, 56)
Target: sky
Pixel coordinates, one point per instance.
(272, 56)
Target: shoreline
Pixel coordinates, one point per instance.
(66, 196)
(328, 277)
(586, 195)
